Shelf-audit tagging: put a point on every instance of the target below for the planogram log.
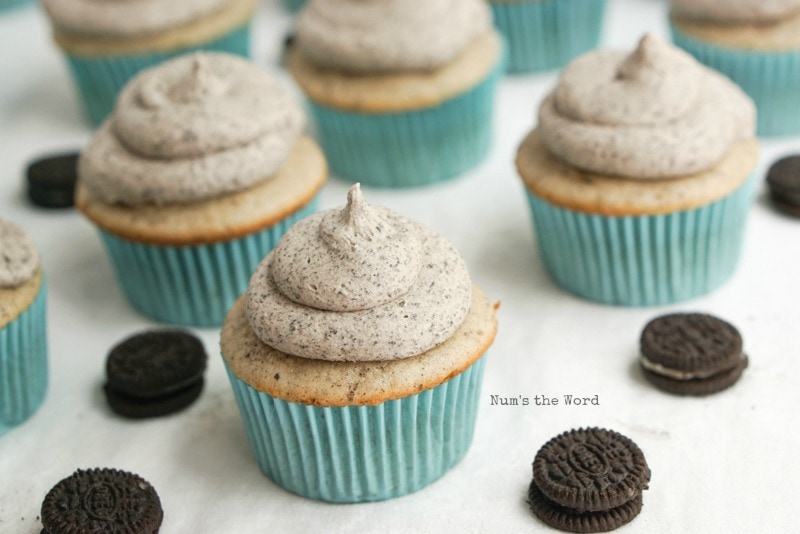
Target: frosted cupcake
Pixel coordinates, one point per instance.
(547, 34)
(294, 5)
(402, 92)
(193, 179)
(637, 176)
(23, 328)
(754, 42)
(356, 356)
(107, 43)
(7, 5)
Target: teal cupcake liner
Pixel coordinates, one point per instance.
(100, 78)
(771, 79)
(191, 285)
(546, 35)
(361, 453)
(23, 363)
(294, 5)
(412, 148)
(13, 4)
(646, 260)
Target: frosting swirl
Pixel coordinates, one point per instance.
(19, 258)
(389, 35)
(196, 127)
(655, 113)
(127, 17)
(360, 283)
(736, 11)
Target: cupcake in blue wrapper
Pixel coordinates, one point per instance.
(107, 43)
(7, 5)
(356, 356)
(193, 179)
(754, 43)
(402, 92)
(547, 34)
(294, 5)
(23, 328)
(638, 176)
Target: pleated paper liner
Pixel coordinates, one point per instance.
(411, 148)
(771, 79)
(643, 260)
(23, 363)
(546, 35)
(362, 453)
(192, 285)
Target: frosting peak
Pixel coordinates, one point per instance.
(192, 128)
(653, 113)
(389, 35)
(19, 259)
(358, 283)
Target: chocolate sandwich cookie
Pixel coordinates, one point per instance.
(51, 180)
(588, 480)
(102, 500)
(783, 180)
(153, 373)
(691, 353)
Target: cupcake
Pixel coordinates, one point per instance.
(402, 92)
(23, 328)
(756, 44)
(193, 179)
(7, 5)
(637, 176)
(356, 355)
(294, 5)
(547, 34)
(107, 43)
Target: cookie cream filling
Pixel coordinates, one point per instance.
(127, 17)
(389, 35)
(654, 113)
(197, 127)
(736, 11)
(360, 283)
(676, 374)
(19, 259)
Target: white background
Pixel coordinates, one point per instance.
(726, 464)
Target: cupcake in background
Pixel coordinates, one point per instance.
(356, 356)
(547, 34)
(23, 327)
(638, 176)
(753, 42)
(107, 43)
(402, 92)
(193, 179)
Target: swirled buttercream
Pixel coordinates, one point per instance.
(359, 283)
(127, 17)
(19, 259)
(193, 128)
(654, 113)
(389, 35)
(736, 11)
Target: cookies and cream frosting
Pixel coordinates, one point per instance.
(736, 11)
(359, 283)
(196, 127)
(389, 35)
(127, 17)
(654, 113)
(19, 259)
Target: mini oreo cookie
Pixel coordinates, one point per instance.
(783, 180)
(102, 500)
(691, 353)
(588, 480)
(51, 180)
(153, 373)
